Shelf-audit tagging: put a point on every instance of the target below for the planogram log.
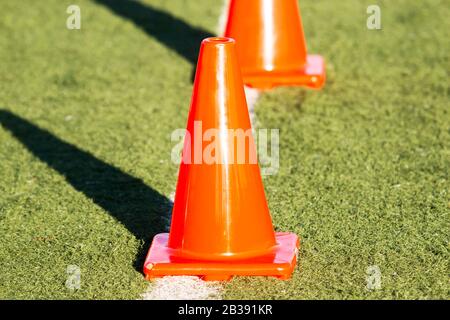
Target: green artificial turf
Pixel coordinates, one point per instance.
(85, 171)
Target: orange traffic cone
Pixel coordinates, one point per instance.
(221, 225)
(271, 45)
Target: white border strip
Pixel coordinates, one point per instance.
(183, 288)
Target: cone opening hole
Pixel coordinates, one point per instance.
(219, 40)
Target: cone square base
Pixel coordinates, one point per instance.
(312, 76)
(161, 262)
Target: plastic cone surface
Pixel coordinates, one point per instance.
(271, 44)
(221, 225)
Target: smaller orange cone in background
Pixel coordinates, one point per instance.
(271, 44)
(221, 225)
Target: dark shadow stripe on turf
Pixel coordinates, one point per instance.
(141, 209)
(167, 29)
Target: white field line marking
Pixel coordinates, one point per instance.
(252, 96)
(183, 288)
(187, 287)
(223, 18)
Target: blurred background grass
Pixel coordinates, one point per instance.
(364, 176)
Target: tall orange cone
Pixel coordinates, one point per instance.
(271, 44)
(221, 225)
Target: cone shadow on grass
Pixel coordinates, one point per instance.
(141, 209)
(171, 31)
